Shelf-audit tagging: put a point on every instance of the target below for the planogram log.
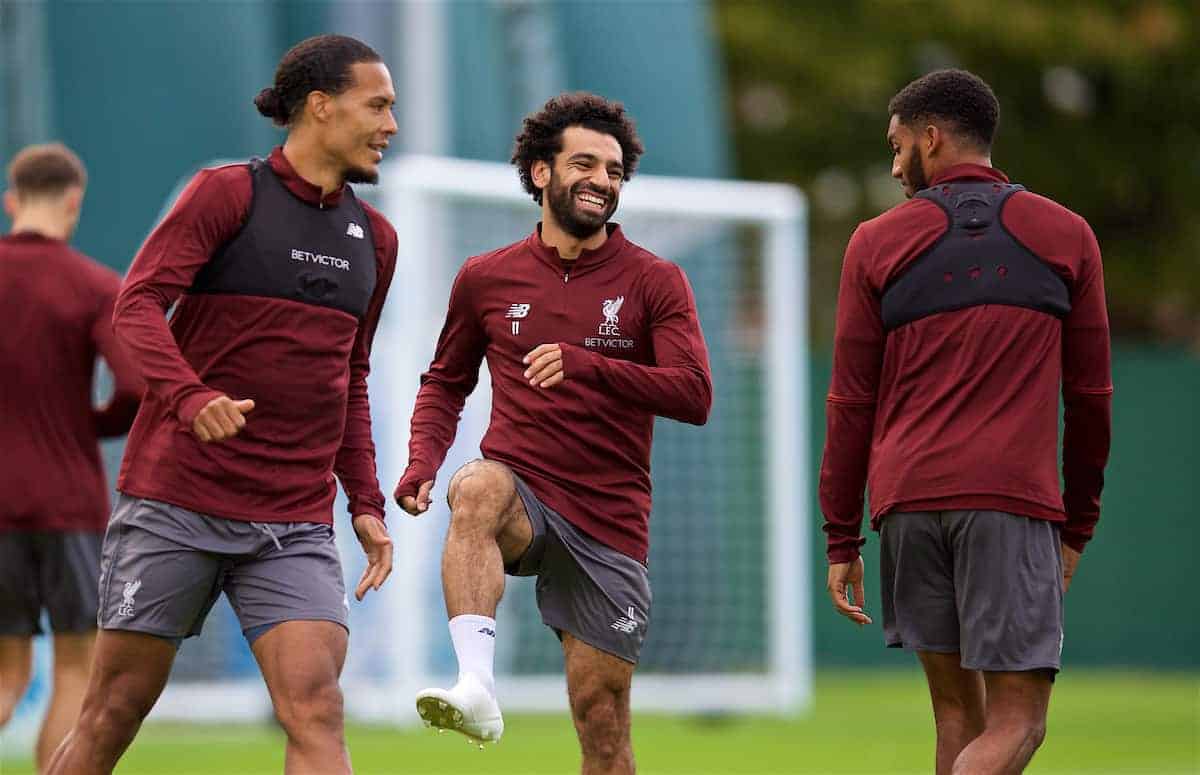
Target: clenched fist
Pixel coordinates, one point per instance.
(221, 418)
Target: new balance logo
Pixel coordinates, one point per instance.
(518, 311)
(487, 631)
(626, 623)
(354, 230)
(126, 607)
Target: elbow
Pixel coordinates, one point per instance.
(701, 407)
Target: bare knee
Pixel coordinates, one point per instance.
(112, 720)
(314, 710)
(958, 708)
(480, 496)
(602, 722)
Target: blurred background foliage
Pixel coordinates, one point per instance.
(1100, 110)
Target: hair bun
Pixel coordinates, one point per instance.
(270, 104)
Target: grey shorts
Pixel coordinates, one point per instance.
(164, 566)
(585, 588)
(55, 571)
(985, 584)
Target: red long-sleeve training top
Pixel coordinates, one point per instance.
(632, 349)
(959, 410)
(304, 365)
(55, 318)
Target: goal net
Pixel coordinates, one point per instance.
(729, 567)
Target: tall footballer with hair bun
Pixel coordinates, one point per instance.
(588, 337)
(256, 407)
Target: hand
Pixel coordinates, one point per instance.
(377, 545)
(1070, 560)
(221, 418)
(545, 366)
(420, 504)
(845, 575)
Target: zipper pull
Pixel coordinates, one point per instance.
(566, 277)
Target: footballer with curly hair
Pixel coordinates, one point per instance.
(588, 337)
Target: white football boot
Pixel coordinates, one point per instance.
(468, 708)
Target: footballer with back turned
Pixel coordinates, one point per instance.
(588, 338)
(55, 318)
(962, 313)
(257, 400)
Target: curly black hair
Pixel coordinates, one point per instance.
(957, 97)
(322, 63)
(541, 134)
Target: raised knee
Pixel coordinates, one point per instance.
(313, 709)
(480, 490)
(1035, 733)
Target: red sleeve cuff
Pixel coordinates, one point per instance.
(578, 363)
(412, 480)
(366, 505)
(1074, 540)
(844, 552)
(191, 405)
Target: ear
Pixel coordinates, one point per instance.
(540, 173)
(73, 200)
(319, 105)
(10, 205)
(932, 139)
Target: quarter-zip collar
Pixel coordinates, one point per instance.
(969, 172)
(305, 191)
(587, 260)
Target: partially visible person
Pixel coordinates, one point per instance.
(961, 314)
(55, 319)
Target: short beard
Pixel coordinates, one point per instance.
(562, 204)
(359, 175)
(916, 173)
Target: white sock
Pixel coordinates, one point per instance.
(474, 640)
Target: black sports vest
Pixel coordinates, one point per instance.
(977, 261)
(289, 249)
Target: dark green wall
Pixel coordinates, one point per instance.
(1131, 602)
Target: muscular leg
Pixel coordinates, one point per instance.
(72, 660)
(958, 705)
(598, 686)
(488, 528)
(1015, 724)
(301, 662)
(129, 671)
(16, 665)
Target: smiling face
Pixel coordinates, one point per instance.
(360, 122)
(907, 164)
(583, 186)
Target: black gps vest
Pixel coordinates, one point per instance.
(977, 261)
(289, 249)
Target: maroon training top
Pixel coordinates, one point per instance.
(305, 366)
(959, 410)
(55, 318)
(632, 349)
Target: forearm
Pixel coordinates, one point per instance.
(436, 413)
(141, 328)
(354, 465)
(844, 475)
(1086, 440)
(682, 393)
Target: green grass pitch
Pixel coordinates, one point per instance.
(869, 722)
